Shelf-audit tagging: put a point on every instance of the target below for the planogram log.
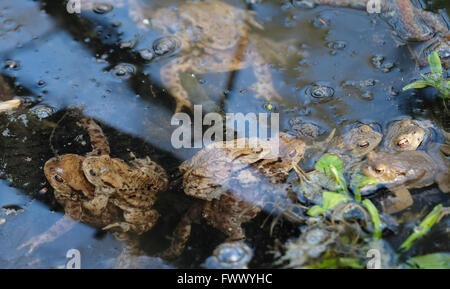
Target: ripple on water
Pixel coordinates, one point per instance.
(167, 45)
(320, 93)
(102, 8)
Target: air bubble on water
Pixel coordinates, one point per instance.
(43, 111)
(102, 8)
(337, 45)
(123, 70)
(146, 54)
(12, 64)
(303, 4)
(10, 25)
(367, 95)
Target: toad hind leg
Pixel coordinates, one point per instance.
(183, 231)
(99, 142)
(401, 201)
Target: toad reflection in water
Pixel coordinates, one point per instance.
(213, 37)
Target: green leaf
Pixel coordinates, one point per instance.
(316, 210)
(360, 181)
(435, 63)
(336, 263)
(416, 84)
(329, 201)
(422, 228)
(431, 261)
(327, 160)
(332, 199)
(373, 212)
(444, 89)
(332, 164)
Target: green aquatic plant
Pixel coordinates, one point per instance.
(359, 181)
(329, 201)
(332, 165)
(430, 261)
(373, 212)
(434, 79)
(422, 228)
(337, 263)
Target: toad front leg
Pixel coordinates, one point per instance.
(138, 221)
(228, 214)
(401, 201)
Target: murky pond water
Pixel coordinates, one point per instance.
(333, 67)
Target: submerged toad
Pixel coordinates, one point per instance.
(233, 181)
(101, 191)
(405, 135)
(410, 22)
(406, 170)
(213, 36)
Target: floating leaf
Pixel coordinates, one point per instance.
(422, 228)
(430, 261)
(373, 212)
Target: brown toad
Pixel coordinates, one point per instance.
(350, 147)
(232, 182)
(407, 170)
(405, 135)
(214, 37)
(101, 191)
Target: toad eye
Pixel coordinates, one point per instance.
(58, 179)
(379, 170)
(92, 173)
(403, 142)
(364, 144)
